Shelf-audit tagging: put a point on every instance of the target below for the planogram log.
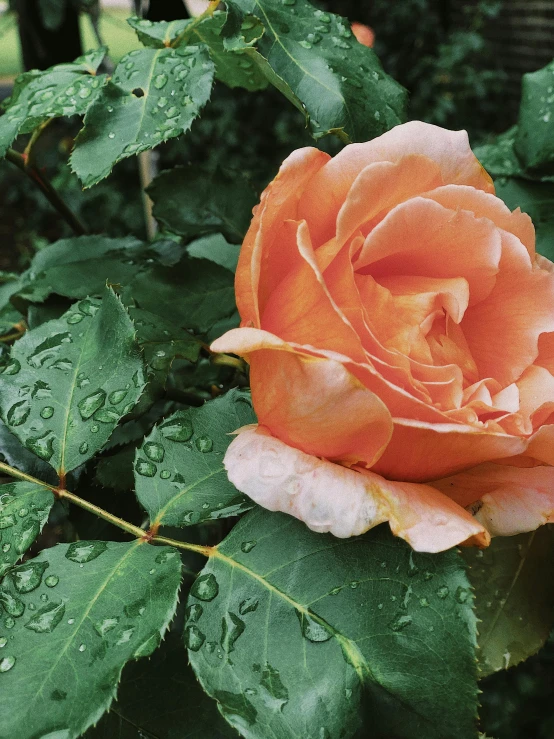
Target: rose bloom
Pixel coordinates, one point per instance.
(364, 34)
(400, 332)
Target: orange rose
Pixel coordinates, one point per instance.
(364, 34)
(400, 333)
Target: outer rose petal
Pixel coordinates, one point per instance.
(506, 500)
(327, 191)
(312, 403)
(264, 258)
(331, 498)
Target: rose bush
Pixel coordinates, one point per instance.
(400, 332)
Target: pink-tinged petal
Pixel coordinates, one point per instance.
(301, 310)
(426, 451)
(380, 187)
(330, 498)
(506, 500)
(503, 331)
(311, 402)
(364, 34)
(536, 395)
(328, 190)
(486, 205)
(541, 444)
(269, 248)
(422, 238)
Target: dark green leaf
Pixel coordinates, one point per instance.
(24, 509)
(216, 249)
(161, 699)
(15, 454)
(79, 267)
(514, 597)
(536, 199)
(194, 294)
(70, 380)
(295, 633)
(135, 429)
(52, 13)
(340, 82)
(116, 471)
(535, 135)
(10, 319)
(499, 157)
(64, 90)
(192, 201)
(79, 612)
(154, 95)
(179, 475)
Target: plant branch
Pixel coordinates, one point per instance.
(48, 190)
(205, 551)
(28, 152)
(12, 472)
(101, 513)
(187, 31)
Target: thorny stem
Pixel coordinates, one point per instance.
(149, 536)
(186, 32)
(21, 161)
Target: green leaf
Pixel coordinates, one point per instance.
(194, 294)
(70, 380)
(536, 199)
(15, 454)
(535, 135)
(154, 95)
(340, 82)
(24, 509)
(161, 699)
(79, 612)
(296, 633)
(514, 597)
(235, 70)
(179, 475)
(192, 201)
(80, 267)
(216, 249)
(499, 157)
(63, 90)
(116, 471)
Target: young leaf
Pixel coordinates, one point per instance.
(81, 266)
(157, 35)
(340, 82)
(193, 295)
(24, 509)
(63, 90)
(295, 632)
(192, 201)
(161, 699)
(70, 380)
(514, 597)
(179, 475)
(154, 95)
(75, 615)
(535, 133)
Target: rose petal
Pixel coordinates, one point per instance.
(506, 500)
(331, 498)
(260, 272)
(311, 402)
(327, 191)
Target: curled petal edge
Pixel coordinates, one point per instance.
(345, 502)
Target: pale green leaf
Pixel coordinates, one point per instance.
(75, 615)
(192, 201)
(70, 380)
(179, 474)
(24, 509)
(514, 597)
(154, 95)
(216, 249)
(299, 634)
(63, 90)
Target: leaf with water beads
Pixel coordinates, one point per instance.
(179, 474)
(63, 90)
(154, 95)
(81, 611)
(340, 83)
(24, 509)
(58, 391)
(278, 608)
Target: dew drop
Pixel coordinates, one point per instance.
(3, 641)
(204, 444)
(312, 629)
(105, 415)
(443, 592)
(27, 536)
(82, 647)
(400, 622)
(51, 581)
(46, 620)
(248, 546)
(160, 81)
(47, 412)
(83, 449)
(27, 577)
(75, 318)
(7, 663)
(85, 551)
(248, 606)
(165, 474)
(194, 638)
(145, 468)
(7, 522)
(205, 587)
(42, 446)
(117, 396)
(13, 606)
(177, 429)
(154, 451)
(9, 622)
(92, 403)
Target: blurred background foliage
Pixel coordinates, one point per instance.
(461, 63)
